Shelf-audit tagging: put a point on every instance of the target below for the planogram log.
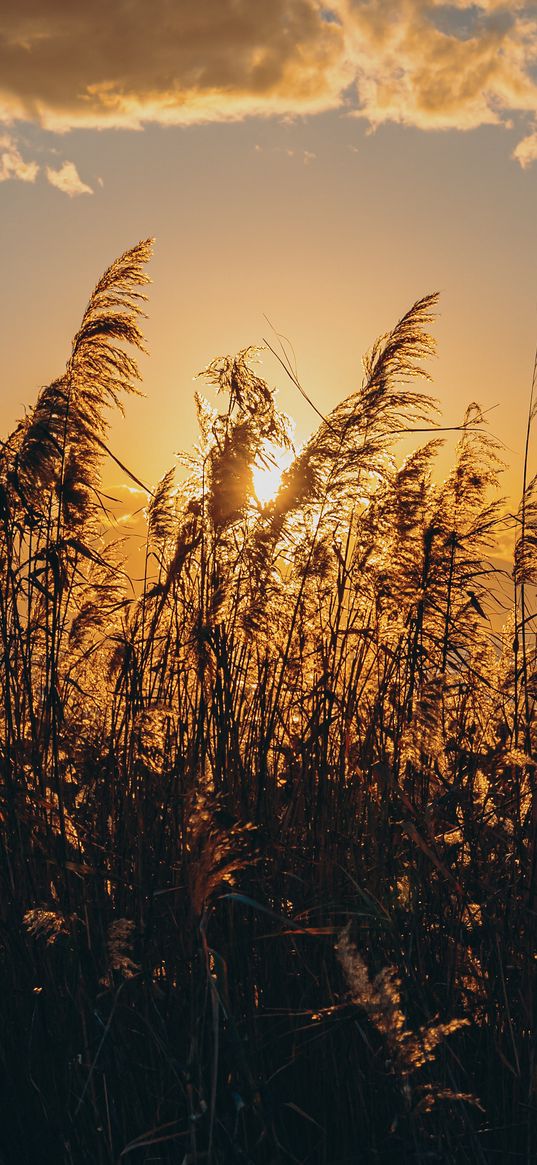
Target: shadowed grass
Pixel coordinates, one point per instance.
(268, 825)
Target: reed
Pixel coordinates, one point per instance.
(268, 824)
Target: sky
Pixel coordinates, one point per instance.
(305, 168)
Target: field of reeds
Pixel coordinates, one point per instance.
(268, 820)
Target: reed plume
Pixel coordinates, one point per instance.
(304, 712)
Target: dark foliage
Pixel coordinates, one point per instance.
(268, 827)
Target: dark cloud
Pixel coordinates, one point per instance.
(65, 64)
(460, 65)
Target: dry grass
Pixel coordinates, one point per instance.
(268, 831)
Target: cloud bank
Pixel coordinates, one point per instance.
(422, 63)
(67, 64)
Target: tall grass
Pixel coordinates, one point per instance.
(268, 835)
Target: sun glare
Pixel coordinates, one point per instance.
(267, 477)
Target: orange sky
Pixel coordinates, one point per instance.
(320, 164)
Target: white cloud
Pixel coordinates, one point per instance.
(68, 180)
(12, 165)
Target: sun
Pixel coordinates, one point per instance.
(267, 476)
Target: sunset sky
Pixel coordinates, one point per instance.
(320, 164)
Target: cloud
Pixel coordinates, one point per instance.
(12, 165)
(66, 65)
(434, 66)
(421, 63)
(68, 180)
(526, 150)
